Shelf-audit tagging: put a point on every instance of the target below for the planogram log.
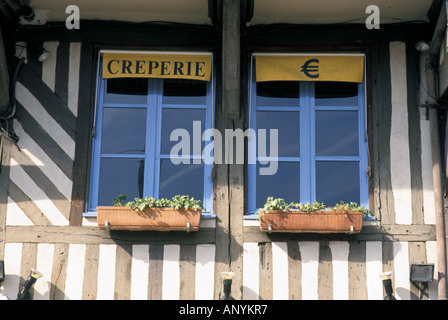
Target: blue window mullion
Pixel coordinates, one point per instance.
(208, 182)
(337, 108)
(338, 158)
(96, 146)
(124, 105)
(309, 182)
(252, 143)
(158, 96)
(183, 106)
(151, 139)
(122, 156)
(279, 108)
(363, 147)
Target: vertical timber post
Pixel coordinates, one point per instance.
(229, 175)
(432, 87)
(5, 157)
(231, 60)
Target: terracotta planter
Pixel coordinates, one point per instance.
(313, 222)
(161, 219)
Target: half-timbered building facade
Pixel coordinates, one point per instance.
(359, 112)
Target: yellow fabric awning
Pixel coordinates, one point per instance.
(157, 65)
(349, 68)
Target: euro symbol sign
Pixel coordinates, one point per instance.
(311, 71)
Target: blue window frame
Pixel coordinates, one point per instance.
(322, 142)
(131, 146)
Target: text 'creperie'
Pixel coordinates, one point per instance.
(164, 68)
(140, 66)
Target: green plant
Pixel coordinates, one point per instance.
(179, 202)
(307, 207)
(273, 204)
(352, 207)
(276, 204)
(281, 205)
(140, 204)
(120, 201)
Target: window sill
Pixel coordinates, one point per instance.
(208, 220)
(251, 220)
(92, 214)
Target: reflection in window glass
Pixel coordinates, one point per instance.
(284, 184)
(287, 124)
(180, 119)
(337, 181)
(120, 176)
(126, 90)
(337, 133)
(124, 131)
(179, 91)
(336, 93)
(183, 179)
(278, 93)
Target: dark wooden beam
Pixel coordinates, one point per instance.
(434, 11)
(231, 60)
(437, 37)
(8, 13)
(215, 12)
(290, 35)
(229, 181)
(385, 233)
(247, 11)
(125, 34)
(94, 235)
(9, 20)
(5, 157)
(81, 171)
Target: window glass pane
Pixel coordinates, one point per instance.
(285, 183)
(182, 179)
(178, 91)
(120, 176)
(337, 181)
(337, 133)
(126, 90)
(278, 93)
(336, 93)
(287, 124)
(177, 118)
(124, 131)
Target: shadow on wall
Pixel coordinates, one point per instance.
(330, 270)
(15, 286)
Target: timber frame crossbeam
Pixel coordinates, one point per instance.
(93, 235)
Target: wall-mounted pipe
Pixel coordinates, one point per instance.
(4, 78)
(427, 98)
(438, 201)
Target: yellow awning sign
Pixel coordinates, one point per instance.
(166, 66)
(348, 68)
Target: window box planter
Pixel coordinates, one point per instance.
(311, 222)
(160, 219)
